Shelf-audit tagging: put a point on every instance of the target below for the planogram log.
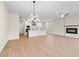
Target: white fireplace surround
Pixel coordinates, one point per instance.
(69, 34)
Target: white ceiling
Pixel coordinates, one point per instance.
(47, 10)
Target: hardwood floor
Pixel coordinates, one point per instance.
(44, 46)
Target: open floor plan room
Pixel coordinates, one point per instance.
(39, 28)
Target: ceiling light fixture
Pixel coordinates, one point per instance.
(34, 19)
(63, 14)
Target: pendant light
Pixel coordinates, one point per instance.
(34, 19)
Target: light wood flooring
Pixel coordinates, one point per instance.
(44, 46)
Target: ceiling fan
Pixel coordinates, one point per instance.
(63, 14)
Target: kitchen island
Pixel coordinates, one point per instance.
(32, 33)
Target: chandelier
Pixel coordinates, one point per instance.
(34, 19)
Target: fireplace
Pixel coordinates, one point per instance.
(72, 30)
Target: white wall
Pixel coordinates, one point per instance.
(21, 25)
(50, 28)
(3, 25)
(21, 28)
(74, 20)
(13, 26)
(58, 27)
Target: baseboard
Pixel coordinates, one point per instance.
(64, 36)
(3, 46)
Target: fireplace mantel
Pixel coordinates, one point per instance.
(71, 25)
